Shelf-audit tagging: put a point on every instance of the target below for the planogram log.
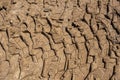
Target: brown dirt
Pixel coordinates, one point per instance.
(59, 39)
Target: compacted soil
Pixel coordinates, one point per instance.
(59, 39)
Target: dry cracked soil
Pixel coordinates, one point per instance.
(59, 39)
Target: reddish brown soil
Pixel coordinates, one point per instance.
(59, 39)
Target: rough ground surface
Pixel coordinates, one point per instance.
(59, 39)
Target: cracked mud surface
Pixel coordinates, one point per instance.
(59, 39)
